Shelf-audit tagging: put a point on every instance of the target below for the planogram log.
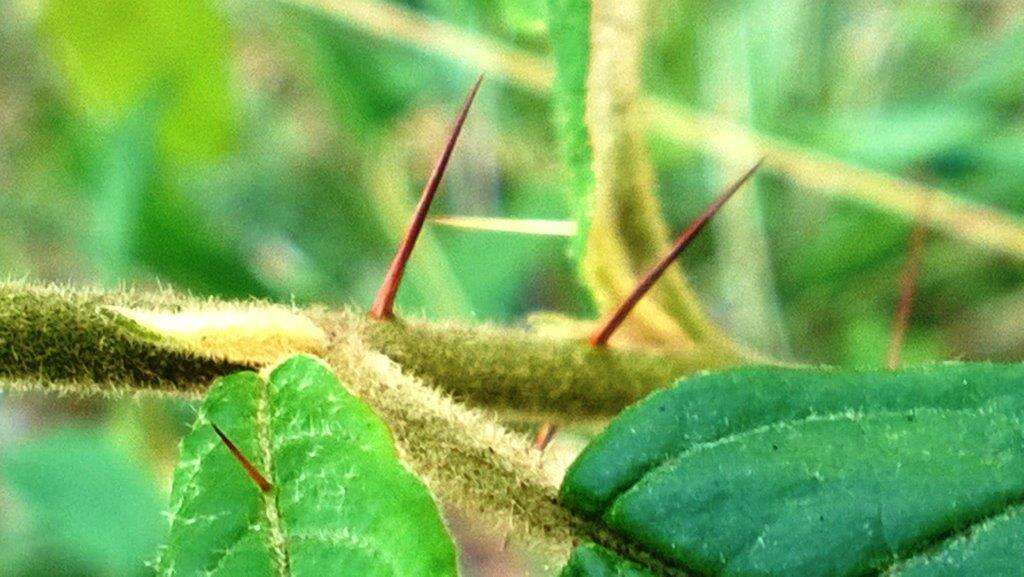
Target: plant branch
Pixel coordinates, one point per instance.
(78, 341)
(815, 171)
(120, 342)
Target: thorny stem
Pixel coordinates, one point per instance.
(255, 475)
(383, 304)
(600, 336)
(78, 342)
(908, 284)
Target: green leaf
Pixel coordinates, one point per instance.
(992, 548)
(341, 502)
(589, 560)
(569, 23)
(809, 472)
(67, 520)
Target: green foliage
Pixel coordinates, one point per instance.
(340, 500)
(65, 518)
(130, 152)
(589, 560)
(569, 25)
(816, 472)
(115, 54)
(148, 82)
(992, 548)
(284, 141)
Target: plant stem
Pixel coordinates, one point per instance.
(54, 339)
(74, 340)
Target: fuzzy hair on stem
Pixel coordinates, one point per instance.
(92, 342)
(72, 341)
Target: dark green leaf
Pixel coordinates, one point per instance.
(804, 472)
(341, 502)
(590, 560)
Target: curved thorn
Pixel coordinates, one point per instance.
(383, 304)
(255, 475)
(600, 336)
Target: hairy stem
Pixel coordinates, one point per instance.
(89, 343)
(121, 342)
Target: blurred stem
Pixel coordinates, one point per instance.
(746, 282)
(713, 134)
(627, 231)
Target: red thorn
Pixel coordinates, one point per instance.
(908, 284)
(255, 475)
(545, 433)
(383, 304)
(599, 337)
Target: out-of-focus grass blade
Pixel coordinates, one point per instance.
(530, 226)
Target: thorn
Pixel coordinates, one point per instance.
(255, 475)
(600, 336)
(383, 304)
(545, 433)
(908, 284)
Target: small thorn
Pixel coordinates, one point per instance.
(383, 304)
(908, 285)
(600, 336)
(545, 433)
(255, 475)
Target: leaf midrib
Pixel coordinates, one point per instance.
(939, 544)
(271, 513)
(928, 548)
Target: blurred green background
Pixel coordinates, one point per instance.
(265, 149)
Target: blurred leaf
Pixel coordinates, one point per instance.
(121, 168)
(818, 472)
(84, 507)
(919, 132)
(526, 17)
(569, 22)
(867, 338)
(367, 84)
(340, 501)
(115, 53)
